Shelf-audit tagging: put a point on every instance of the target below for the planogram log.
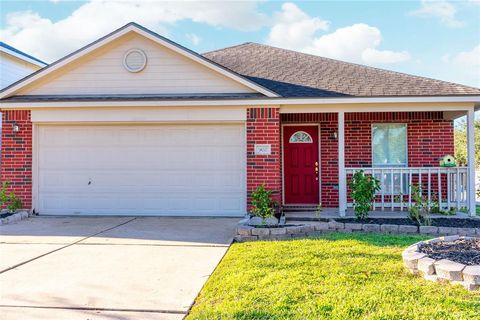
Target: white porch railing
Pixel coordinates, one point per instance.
(445, 187)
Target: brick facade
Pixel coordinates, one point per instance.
(263, 127)
(16, 156)
(429, 137)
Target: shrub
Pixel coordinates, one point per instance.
(363, 192)
(9, 199)
(420, 208)
(262, 203)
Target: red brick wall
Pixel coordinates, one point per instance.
(428, 136)
(263, 127)
(16, 157)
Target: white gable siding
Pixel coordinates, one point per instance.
(166, 72)
(13, 69)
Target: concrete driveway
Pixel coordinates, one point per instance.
(107, 267)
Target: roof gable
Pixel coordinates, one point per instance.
(98, 69)
(295, 74)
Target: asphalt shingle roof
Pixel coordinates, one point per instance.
(294, 74)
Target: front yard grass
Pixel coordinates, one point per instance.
(336, 276)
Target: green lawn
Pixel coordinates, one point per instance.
(338, 276)
(478, 210)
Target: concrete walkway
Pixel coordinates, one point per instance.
(107, 267)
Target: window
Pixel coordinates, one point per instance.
(389, 145)
(300, 137)
(389, 149)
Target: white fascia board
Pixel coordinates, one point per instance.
(22, 57)
(287, 104)
(117, 34)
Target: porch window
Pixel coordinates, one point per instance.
(389, 149)
(389, 145)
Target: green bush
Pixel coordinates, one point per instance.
(262, 203)
(9, 199)
(363, 193)
(419, 211)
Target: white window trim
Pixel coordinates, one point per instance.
(406, 145)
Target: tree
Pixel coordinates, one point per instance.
(460, 134)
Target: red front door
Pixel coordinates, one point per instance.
(301, 164)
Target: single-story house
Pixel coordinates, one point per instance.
(135, 124)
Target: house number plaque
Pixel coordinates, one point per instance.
(263, 149)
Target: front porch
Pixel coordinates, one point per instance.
(350, 141)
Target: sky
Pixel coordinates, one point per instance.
(433, 38)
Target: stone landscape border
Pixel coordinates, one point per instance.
(17, 216)
(441, 270)
(245, 232)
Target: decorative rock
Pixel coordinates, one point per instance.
(449, 270)
(353, 226)
(322, 226)
(244, 230)
(447, 230)
(307, 228)
(471, 286)
(407, 229)
(260, 232)
(471, 275)
(334, 225)
(410, 259)
(294, 229)
(426, 266)
(368, 227)
(447, 238)
(428, 230)
(277, 231)
(389, 228)
(466, 231)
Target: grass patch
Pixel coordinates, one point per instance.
(478, 210)
(337, 276)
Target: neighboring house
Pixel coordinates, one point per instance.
(15, 64)
(136, 124)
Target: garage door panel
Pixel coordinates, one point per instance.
(152, 170)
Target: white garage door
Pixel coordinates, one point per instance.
(142, 170)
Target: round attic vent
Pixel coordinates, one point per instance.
(135, 60)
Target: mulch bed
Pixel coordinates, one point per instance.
(437, 222)
(465, 251)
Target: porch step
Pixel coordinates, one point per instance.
(303, 216)
(299, 208)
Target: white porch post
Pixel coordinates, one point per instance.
(471, 160)
(342, 177)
